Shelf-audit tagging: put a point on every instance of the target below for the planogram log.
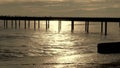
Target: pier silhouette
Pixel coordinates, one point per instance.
(103, 20)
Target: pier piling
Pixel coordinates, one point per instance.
(11, 23)
(38, 24)
(28, 24)
(46, 25)
(15, 24)
(19, 24)
(34, 24)
(87, 27)
(6, 23)
(59, 26)
(25, 24)
(101, 27)
(72, 26)
(105, 28)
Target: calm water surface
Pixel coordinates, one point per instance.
(20, 48)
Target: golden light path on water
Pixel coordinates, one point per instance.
(56, 42)
(61, 45)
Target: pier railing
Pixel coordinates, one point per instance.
(102, 20)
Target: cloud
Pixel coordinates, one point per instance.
(82, 1)
(11, 1)
(60, 7)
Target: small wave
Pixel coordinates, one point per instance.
(15, 37)
(5, 53)
(57, 63)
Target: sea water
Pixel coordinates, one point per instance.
(53, 49)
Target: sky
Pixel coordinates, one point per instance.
(67, 8)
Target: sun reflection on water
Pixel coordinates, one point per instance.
(54, 26)
(68, 61)
(60, 39)
(61, 45)
(55, 44)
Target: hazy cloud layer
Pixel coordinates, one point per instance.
(60, 7)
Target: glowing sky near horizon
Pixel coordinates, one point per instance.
(77, 8)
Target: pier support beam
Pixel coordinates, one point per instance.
(25, 24)
(38, 24)
(46, 25)
(105, 28)
(34, 24)
(101, 27)
(29, 24)
(15, 24)
(4, 24)
(19, 24)
(11, 23)
(59, 26)
(87, 27)
(72, 26)
(6, 21)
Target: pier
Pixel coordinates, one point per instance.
(16, 22)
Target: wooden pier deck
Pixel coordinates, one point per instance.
(102, 20)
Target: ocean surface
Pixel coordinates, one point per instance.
(38, 48)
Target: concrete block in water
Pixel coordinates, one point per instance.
(107, 48)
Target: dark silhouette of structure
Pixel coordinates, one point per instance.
(102, 20)
(108, 48)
